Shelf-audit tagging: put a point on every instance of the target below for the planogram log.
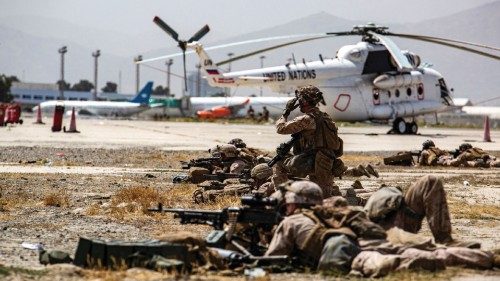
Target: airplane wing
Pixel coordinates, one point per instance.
(237, 107)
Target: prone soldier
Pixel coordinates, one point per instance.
(340, 237)
(473, 157)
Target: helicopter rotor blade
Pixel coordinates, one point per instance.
(198, 35)
(436, 41)
(164, 26)
(239, 43)
(444, 39)
(271, 48)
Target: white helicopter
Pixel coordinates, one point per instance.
(371, 80)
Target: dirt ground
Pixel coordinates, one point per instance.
(53, 196)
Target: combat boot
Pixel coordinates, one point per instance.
(357, 185)
(362, 170)
(371, 170)
(465, 244)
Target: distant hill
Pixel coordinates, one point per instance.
(32, 49)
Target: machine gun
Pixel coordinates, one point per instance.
(245, 176)
(283, 149)
(257, 214)
(206, 163)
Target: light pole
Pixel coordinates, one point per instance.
(95, 54)
(229, 64)
(228, 91)
(261, 66)
(198, 80)
(137, 74)
(168, 63)
(63, 50)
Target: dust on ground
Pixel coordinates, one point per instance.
(109, 190)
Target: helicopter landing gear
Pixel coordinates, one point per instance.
(400, 126)
(412, 128)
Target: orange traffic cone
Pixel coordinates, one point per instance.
(487, 137)
(72, 124)
(38, 116)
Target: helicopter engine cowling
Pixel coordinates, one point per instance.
(389, 81)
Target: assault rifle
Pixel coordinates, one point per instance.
(245, 175)
(206, 163)
(283, 149)
(257, 214)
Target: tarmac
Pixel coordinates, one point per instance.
(102, 133)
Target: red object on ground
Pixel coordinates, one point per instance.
(3, 107)
(487, 137)
(72, 123)
(13, 114)
(58, 117)
(39, 115)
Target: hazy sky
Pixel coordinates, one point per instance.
(188, 15)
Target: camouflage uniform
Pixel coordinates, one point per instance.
(474, 157)
(312, 158)
(351, 239)
(360, 171)
(234, 161)
(424, 199)
(431, 156)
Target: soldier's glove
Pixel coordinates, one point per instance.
(290, 106)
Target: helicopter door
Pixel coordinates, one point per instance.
(445, 93)
(376, 96)
(420, 91)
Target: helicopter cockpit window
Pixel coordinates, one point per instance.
(408, 91)
(378, 62)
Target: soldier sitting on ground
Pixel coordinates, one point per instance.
(337, 237)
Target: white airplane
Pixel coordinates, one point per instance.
(136, 105)
(371, 80)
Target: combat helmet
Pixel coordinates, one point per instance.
(428, 144)
(239, 143)
(261, 172)
(464, 146)
(224, 150)
(303, 192)
(310, 94)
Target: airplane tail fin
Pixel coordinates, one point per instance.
(143, 96)
(214, 75)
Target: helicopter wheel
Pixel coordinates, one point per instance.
(411, 128)
(399, 126)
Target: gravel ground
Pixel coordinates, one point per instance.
(53, 196)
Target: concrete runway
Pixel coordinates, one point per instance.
(200, 136)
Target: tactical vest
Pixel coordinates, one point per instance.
(434, 154)
(475, 153)
(323, 137)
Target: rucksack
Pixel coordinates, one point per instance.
(383, 202)
(326, 135)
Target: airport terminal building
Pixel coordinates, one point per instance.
(31, 94)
